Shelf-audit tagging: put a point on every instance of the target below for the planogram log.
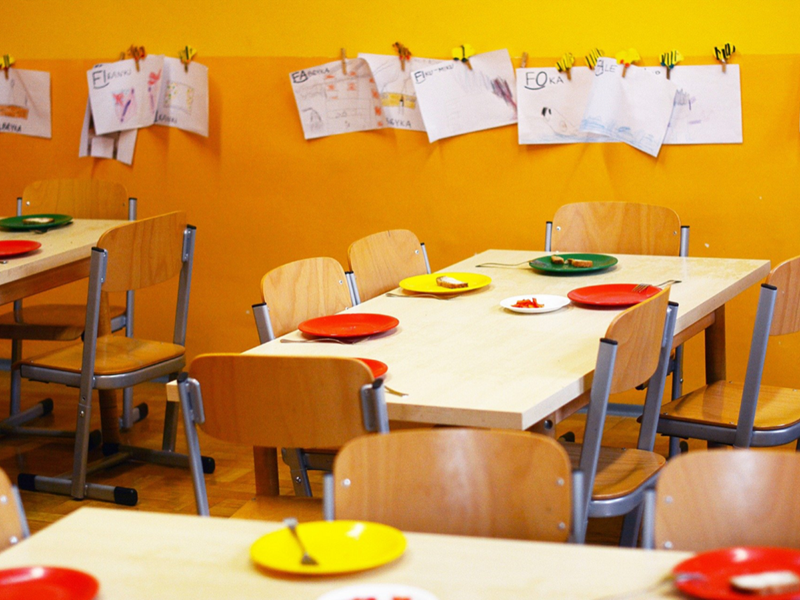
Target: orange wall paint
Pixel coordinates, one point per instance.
(260, 195)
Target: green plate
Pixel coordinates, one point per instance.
(19, 224)
(600, 262)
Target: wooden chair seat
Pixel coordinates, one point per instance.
(719, 403)
(620, 471)
(115, 354)
(56, 322)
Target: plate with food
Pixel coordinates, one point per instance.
(534, 303)
(348, 325)
(31, 222)
(47, 583)
(613, 294)
(445, 283)
(17, 247)
(741, 572)
(336, 547)
(573, 263)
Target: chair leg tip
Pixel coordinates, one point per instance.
(95, 439)
(110, 449)
(27, 482)
(208, 464)
(143, 411)
(47, 406)
(125, 496)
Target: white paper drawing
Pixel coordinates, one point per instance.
(118, 145)
(123, 98)
(331, 102)
(551, 107)
(708, 106)
(184, 97)
(396, 88)
(455, 99)
(25, 103)
(635, 109)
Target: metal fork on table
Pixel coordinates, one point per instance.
(324, 340)
(495, 264)
(306, 559)
(640, 287)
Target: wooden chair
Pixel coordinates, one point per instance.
(277, 401)
(622, 228)
(82, 199)
(128, 257)
(747, 414)
(298, 291)
(504, 484)
(723, 498)
(13, 524)
(635, 350)
(381, 260)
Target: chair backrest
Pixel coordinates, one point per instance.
(457, 481)
(381, 260)
(620, 227)
(80, 198)
(287, 401)
(786, 277)
(143, 253)
(13, 525)
(302, 290)
(723, 498)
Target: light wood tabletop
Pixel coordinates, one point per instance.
(147, 555)
(468, 361)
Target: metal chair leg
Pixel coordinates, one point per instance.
(294, 458)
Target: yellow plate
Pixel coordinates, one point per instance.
(338, 547)
(426, 284)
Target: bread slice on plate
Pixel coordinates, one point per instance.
(766, 583)
(451, 283)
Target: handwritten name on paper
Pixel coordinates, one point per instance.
(102, 77)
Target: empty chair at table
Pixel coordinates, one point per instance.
(747, 414)
(490, 483)
(278, 401)
(13, 524)
(381, 260)
(723, 498)
(81, 199)
(634, 350)
(132, 256)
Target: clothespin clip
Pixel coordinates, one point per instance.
(592, 57)
(670, 59)
(186, 55)
(6, 63)
(137, 53)
(403, 53)
(723, 54)
(463, 53)
(627, 58)
(524, 62)
(344, 62)
(565, 64)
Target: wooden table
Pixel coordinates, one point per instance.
(63, 258)
(141, 555)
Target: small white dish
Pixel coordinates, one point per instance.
(378, 591)
(551, 303)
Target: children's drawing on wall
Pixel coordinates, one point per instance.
(396, 89)
(708, 106)
(635, 109)
(25, 103)
(332, 102)
(123, 98)
(118, 145)
(551, 106)
(455, 99)
(184, 97)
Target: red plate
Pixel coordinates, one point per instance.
(17, 247)
(718, 566)
(612, 294)
(377, 367)
(46, 583)
(348, 325)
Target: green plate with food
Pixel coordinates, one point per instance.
(40, 222)
(573, 263)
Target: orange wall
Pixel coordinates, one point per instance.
(261, 195)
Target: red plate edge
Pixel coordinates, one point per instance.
(720, 565)
(331, 326)
(77, 584)
(17, 247)
(603, 294)
(377, 367)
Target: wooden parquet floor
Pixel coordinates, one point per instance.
(166, 489)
